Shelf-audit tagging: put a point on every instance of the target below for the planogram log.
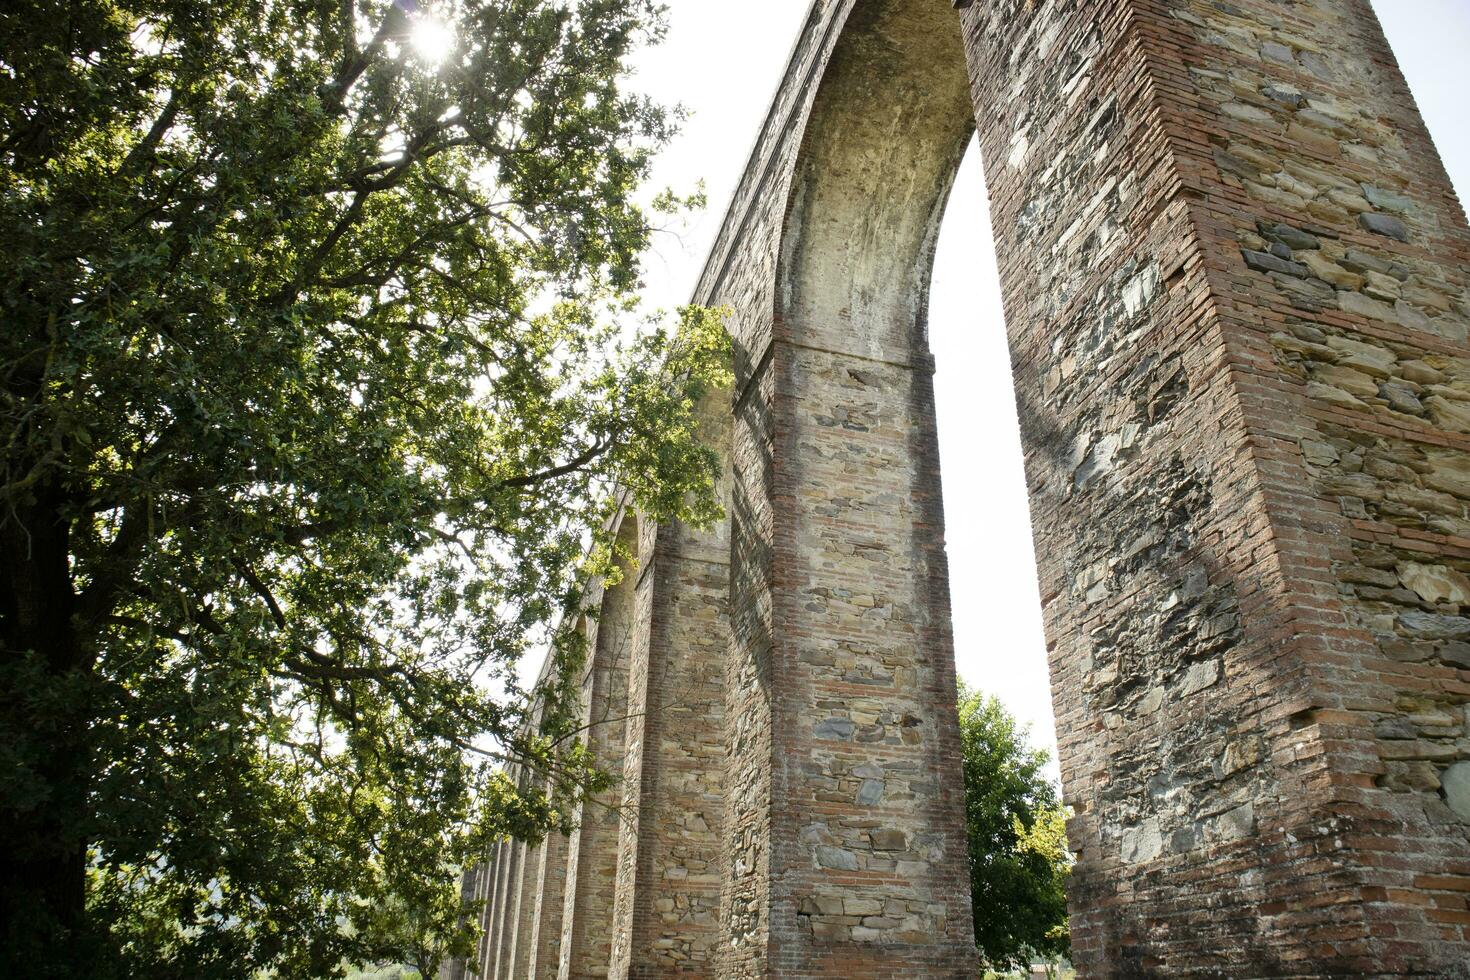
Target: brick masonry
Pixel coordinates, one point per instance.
(586, 936)
(1237, 293)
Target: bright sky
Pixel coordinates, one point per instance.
(723, 62)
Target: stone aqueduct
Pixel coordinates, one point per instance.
(1235, 281)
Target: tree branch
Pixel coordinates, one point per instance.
(115, 570)
(260, 589)
(356, 62)
(302, 533)
(145, 147)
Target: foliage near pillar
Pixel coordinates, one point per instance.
(309, 406)
(1018, 845)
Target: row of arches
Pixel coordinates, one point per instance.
(790, 802)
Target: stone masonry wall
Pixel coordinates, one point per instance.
(1235, 280)
(666, 918)
(586, 943)
(1188, 343)
(1355, 378)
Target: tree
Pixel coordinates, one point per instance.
(312, 396)
(1017, 830)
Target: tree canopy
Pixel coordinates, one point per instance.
(315, 377)
(1017, 831)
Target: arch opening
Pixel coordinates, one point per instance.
(999, 644)
(891, 132)
(863, 659)
(879, 154)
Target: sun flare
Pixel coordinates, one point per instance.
(432, 40)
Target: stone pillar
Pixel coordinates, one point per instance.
(1235, 283)
(586, 944)
(845, 821)
(504, 911)
(669, 869)
(550, 874)
(525, 888)
(626, 890)
(495, 868)
(469, 887)
(525, 900)
(485, 892)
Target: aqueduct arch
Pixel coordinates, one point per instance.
(1235, 279)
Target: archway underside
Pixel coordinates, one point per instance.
(1238, 333)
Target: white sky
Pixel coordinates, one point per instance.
(722, 61)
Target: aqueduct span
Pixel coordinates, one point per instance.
(1235, 281)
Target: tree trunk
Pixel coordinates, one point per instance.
(45, 699)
